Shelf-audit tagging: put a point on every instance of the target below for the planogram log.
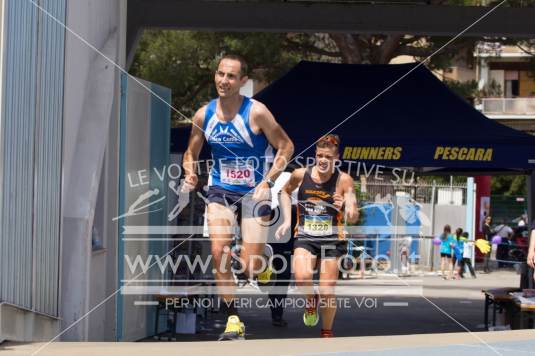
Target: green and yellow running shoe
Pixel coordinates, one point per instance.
(266, 276)
(311, 316)
(235, 329)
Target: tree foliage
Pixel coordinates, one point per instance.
(509, 185)
(185, 61)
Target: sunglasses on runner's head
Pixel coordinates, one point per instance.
(331, 138)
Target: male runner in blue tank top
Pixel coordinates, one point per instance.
(242, 134)
(326, 200)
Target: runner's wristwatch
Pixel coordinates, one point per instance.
(270, 182)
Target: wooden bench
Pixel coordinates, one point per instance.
(525, 307)
(499, 298)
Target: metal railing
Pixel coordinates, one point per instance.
(508, 106)
(422, 192)
(438, 203)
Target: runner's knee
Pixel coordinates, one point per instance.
(327, 288)
(302, 276)
(218, 250)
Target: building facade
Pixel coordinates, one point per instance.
(59, 127)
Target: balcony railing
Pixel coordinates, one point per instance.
(507, 106)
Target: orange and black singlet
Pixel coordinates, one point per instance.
(316, 215)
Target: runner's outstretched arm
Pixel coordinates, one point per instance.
(351, 210)
(277, 137)
(285, 201)
(196, 140)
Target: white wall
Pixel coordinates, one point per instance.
(92, 94)
(103, 271)
(138, 143)
(94, 21)
(453, 215)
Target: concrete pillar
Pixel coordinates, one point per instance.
(92, 96)
(484, 74)
(471, 211)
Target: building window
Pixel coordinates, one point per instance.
(512, 85)
(97, 242)
(99, 222)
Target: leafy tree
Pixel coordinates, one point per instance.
(509, 185)
(469, 89)
(185, 62)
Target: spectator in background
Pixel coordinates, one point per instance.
(522, 220)
(467, 255)
(504, 230)
(446, 251)
(457, 255)
(506, 233)
(284, 250)
(487, 234)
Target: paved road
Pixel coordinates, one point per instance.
(507, 343)
(430, 317)
(379, 306)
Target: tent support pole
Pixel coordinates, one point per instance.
(526, 280)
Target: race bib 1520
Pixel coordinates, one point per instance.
(237, 174)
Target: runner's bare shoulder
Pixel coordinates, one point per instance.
(345, 181)
(260, 117)
(298, 174)
(295, 180)
(258, 108)
(198, 117)
(345, 178)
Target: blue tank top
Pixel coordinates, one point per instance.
(240, 157)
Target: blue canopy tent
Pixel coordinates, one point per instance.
(418, 122)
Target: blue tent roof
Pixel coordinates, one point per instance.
(418, 122)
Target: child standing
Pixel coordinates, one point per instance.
(467, 255)
(457, 252)
(446, 251)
